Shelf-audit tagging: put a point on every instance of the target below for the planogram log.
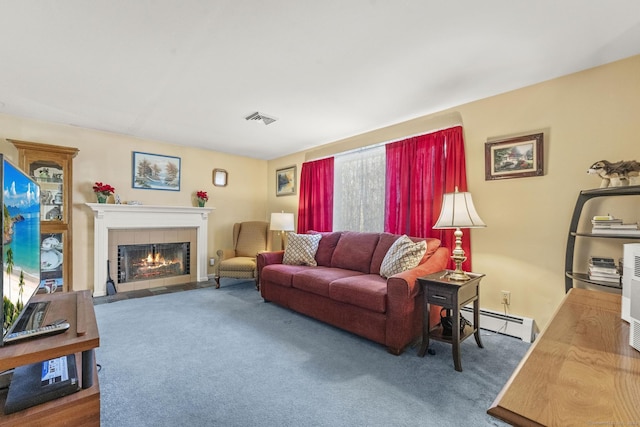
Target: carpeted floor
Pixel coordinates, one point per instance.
(223, 357)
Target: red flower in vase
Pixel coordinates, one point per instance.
(105, 189)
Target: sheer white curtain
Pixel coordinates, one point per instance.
(358, 195)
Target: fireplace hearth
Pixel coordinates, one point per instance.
(153, 261)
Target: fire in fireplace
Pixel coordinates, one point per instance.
(152, 261)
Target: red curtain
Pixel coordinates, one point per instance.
(420, 170)
(315, 208)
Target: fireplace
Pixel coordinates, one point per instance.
(151, 258)
(153, 261)
(129, 224)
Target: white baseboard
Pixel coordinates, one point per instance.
(515, 326)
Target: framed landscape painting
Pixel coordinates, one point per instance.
(514, 157)
(155, 172)
(286, 181)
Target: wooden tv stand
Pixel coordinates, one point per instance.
(580, 371)
(83, 407)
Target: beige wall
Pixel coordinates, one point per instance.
(587, 116)
(107, 157)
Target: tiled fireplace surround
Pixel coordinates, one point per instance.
(126, 224)
(155, 235)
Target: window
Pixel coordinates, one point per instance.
(359, 185)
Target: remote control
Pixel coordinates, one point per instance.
(58, 327)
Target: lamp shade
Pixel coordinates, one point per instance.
(281, 221)
(458, 212)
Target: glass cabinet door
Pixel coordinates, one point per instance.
(52, 261)
(50, 176)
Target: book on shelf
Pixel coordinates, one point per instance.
(617, 231)
(602, 261)
(605, 279)
(607, 224)
(603, 270)
(621, 226)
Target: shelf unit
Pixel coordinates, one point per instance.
(81, 408)
(52, 167)
(583, 198)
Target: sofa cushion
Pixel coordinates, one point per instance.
(368, 291)
(432, 246)
(388, 239)
(384, 243)
(316, 280)
(403, 255)
(326, 247)
(301, 249)
(280, 274)
(354, 251)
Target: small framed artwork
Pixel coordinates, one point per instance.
(220, 177)
(286, 181)
(517, 157)
(155, 172)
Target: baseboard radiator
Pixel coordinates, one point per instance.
(507, 324)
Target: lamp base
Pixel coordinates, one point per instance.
(458, 257)
(458, 276)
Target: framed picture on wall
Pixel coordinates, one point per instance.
(220, 177)
(514, 157)
(155, 172)
(286, 181)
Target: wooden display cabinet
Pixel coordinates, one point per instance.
(52, 167)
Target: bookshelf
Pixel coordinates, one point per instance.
(574, 234)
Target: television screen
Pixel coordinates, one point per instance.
(20, 240)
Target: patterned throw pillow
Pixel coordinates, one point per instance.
(301, 249)
(403, 255)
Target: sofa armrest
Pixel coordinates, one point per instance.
(408, 279)
(266, 258)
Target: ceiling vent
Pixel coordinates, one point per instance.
(261, 117)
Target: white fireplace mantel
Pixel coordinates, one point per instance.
(109, 216)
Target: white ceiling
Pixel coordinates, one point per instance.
(188, 72)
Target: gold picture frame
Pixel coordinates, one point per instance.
(220, 177)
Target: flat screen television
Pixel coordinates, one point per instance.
(20, 262)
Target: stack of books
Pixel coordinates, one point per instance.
(606, 224)
(603, 269)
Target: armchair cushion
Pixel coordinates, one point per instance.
(251, 238)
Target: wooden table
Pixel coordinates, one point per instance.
(451, 295)
(78, 409)
(580, 371)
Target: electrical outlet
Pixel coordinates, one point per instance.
(505, 297)
(212, 261)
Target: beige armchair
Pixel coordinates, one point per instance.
(249, 238)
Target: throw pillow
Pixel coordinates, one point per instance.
(403, 255)
(301, 249)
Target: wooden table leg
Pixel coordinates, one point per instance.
(425, 330)
(476, 321)
(455, 339)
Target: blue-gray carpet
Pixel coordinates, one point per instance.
(223, 357)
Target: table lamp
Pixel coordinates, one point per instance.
(282, 222)
(458, 212)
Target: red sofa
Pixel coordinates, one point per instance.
(346, 290)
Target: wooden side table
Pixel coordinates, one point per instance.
(452, 295)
